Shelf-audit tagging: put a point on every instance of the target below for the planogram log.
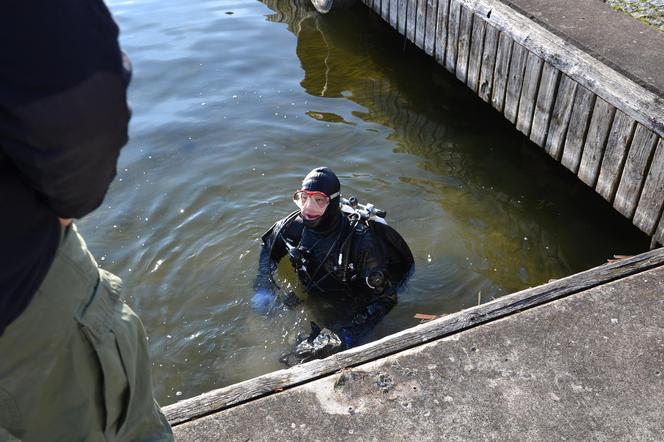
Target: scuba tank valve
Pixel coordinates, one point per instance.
(352, 208)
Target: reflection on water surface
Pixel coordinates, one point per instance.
(230, 112)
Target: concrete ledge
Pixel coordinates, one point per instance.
(620, 41)
(271, 383)
(586, 367)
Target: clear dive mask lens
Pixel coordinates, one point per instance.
(317, 201)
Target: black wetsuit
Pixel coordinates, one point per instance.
(347, 266)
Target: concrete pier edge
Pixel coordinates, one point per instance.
(279, 381)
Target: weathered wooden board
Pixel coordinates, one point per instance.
(441, 31)
(503, 55)
(452, 35)
(430, 36)
(385, 9)
(476, 48)
(465, 33)
(544, 107)
(620, 137)
(642, 105)
(659, 235)
(394, 13)
(411, 19)
(515, 81)
(262, 386)
(584, 101)
(593, 150)
(531, 80)
(376, 6)
(421, 23)
(488, 62)
(562, 110)
(631, 181)
(649, 210)
(402, 11)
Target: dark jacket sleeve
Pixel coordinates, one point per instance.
(63, 112)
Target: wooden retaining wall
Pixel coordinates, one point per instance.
(599, 124)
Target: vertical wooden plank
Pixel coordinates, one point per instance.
(515, 81)
(544, 105)
(598, 133)
(631, 181)
(420, 23)
(385, 9)
(402, 12)
(620, 137)
(488, 62)
(578, 128)
(476, 48)
(452, 35)
(562, 110)
(411, 15)
(376, 6)
(465, 31)
(430, 33)
(441, 31)
(531, 80)
(503, 55)
(651, 204)
(394, 13)
(659, 235)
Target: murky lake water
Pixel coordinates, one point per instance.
(234, 102)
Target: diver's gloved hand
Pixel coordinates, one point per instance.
(263, 301)
(320, 344)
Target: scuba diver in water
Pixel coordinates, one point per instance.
(343, 253)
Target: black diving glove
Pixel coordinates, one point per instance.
(320, 344)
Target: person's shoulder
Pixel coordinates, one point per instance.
(288, 225)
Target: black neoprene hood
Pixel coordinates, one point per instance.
(322, 179)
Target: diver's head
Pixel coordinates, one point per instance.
(318, 199)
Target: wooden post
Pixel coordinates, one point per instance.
(631, 181)
(544, 107)
(515, 81)
(562, 110)
(465, 31)
(488, 62)
(452, 35)
(441, 31)
(598, 133)
(620, 137)
(430, 36)
(503, 55)
(531, 81)
(651, 204)
(394, 13)
(421, 23)
(578, 127)
(402, 10)
(476, 47)
(411, 20)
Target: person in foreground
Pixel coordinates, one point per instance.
(73, 358)
(344, 254)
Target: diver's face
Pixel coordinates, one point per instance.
(312, 204)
